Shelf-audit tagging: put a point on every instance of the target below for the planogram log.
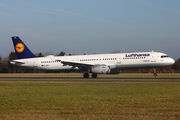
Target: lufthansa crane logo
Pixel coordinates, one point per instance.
(19, 47)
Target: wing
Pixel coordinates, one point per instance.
(82, 65)
(76, 64)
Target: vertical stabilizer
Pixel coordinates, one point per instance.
(22, 51)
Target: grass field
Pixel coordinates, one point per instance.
(60, 100)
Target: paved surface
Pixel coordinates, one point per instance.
(90, 79)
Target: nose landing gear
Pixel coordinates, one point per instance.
(154, 72)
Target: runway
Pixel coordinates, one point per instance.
(89, 79)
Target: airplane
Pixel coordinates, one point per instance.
(95, 64)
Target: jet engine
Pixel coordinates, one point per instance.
(100, 69)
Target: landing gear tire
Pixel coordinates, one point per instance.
(94, 75)
(155, 74)
(86, 75)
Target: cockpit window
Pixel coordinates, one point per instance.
(164, 56)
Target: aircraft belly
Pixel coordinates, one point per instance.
(142, 65)
(132, 65)
(54, 67)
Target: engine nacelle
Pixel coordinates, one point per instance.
(100, 69)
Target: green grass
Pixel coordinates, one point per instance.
(28, 100)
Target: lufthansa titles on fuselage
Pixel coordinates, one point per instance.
(137, 55)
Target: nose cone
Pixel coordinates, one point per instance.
(171, 61)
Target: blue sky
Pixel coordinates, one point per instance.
(91, 26)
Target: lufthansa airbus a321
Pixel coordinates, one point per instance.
(94, 64)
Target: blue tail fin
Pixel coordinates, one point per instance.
(22, 51)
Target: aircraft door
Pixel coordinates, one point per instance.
(35, 64)
(118, 60)
(153, 57)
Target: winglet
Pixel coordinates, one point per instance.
(22, 51)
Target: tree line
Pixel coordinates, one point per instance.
(6, 67)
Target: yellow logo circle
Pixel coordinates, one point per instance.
(19, 47)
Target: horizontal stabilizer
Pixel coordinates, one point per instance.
(17, 62)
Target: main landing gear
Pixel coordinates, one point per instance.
(154, 72)
(86, 75)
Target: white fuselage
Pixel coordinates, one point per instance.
(114, 61)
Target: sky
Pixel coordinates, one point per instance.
(91, 26)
